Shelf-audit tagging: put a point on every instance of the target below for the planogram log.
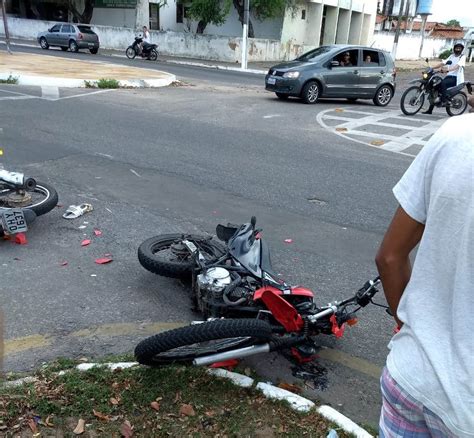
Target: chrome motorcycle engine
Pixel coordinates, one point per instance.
(214, 280)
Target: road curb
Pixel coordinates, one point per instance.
(270, 391)
(80, 83)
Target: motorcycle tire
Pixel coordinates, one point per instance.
(130, 52)
(153, 55)
(179, 267)
(183, 345)
(41, 206)
(403, 107)
(458, 103)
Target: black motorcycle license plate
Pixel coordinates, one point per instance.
(13, 221)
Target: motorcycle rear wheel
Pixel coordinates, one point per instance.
(130, 52)
(165, 255)
(458, 104)
(408, 99)
(43, 199)
(153, 55)
(184, 344)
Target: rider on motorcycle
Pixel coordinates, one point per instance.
(454, 67)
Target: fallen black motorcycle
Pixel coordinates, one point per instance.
(22, 198)
(428, 88)
(148, 51)
(247, 308)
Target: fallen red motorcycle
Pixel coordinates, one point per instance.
(247, 309)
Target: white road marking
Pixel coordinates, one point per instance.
(271, 116)
(16, 97)
(85, 94)
(49, 93)
(135, 173)
(394, 143)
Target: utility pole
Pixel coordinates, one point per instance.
(5, 25)
(424, 18)
(397, 32)
(245, 34)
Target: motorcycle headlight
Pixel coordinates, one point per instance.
(425, 75)
(291, 74)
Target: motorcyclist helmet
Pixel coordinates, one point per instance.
(458, 48)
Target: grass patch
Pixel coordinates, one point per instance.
(10, 80)
(102, 83)
(187, 402)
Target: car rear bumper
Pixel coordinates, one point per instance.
(87, 44)
(282, 85)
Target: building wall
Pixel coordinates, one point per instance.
(114, 17)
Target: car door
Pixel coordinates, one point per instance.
(372, 72)
(341, 74)
(66, 33)
(53, 35)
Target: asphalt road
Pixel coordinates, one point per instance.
(184, 159)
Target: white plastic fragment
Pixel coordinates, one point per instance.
(237, 379)
(297, 402)
(348, 425)
(111, 366)
(19, 382)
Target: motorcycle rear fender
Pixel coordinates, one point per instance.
(282, 311)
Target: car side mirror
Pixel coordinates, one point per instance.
(334, 64)
(49, 30)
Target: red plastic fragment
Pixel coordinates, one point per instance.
(396, 329)
(20, 238)
(85, 242)
(301, 359)
(64, 263)
(103, 260)
(229, 364)
(98, 232)
(338, 331)
(288, 240)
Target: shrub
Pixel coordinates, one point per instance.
(445, 54)
(10, 80)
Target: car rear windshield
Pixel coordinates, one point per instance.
(85, 29)
(313, 54)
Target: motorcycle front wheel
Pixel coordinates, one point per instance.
(153, 55)
(457, 105)
(185, 344)
(166, 254)
(41, 200)
(130, 52)
(412, 101)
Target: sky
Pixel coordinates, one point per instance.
(461, 10)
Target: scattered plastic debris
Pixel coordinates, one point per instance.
(85, 242)
(98, 232)
(332, 434)
(93, 275)
(377, 142)
(81, 227)
(64, 263)
(103, 260)
(339, 129)
(74, 211)
(288, 240)
(20, 238)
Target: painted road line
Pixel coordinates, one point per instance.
(49, 92)
(21, 345)
(17, 97)
(85, 94)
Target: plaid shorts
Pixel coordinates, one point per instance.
(404, 417)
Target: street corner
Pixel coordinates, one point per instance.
(387, 129)
(45, 70)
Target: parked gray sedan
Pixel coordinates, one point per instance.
(351, 72)
(70, 36)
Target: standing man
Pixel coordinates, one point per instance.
(454, 67)
(428, 382)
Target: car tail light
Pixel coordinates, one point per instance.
(81, 36)
(394, 73)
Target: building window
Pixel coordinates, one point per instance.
(303, 14)
(179, 12)
(154, 16)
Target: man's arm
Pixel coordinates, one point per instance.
(393, 261)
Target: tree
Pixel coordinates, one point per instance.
(86, 15)
(208, 12)
(262, 10)
(453, 23)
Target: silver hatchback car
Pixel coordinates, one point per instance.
(341, 71)
(70, 36)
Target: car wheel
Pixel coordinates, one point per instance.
(43, 43)
(94, 51)
(383, 96)
(64, 49)
(310, 93)
(282, 96)
(73, 47)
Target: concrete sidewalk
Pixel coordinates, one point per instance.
(47, 70)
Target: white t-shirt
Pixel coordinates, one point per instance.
(432, 357)
(459, 73)
(146, 37)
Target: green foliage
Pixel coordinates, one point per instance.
(209, 11)
(445, 54)
(264, 9)
(102, 83)
(10, 80)
(453, 23)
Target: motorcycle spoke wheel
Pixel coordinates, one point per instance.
(184, 344)
(41, 200)
(412, 101)
(458, 105)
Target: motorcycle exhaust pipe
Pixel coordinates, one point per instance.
(233, 354)
(18, 180)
